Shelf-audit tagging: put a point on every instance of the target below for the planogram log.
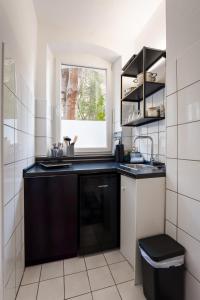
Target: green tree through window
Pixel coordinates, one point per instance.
(83, 93)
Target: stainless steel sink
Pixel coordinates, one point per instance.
(137, 167)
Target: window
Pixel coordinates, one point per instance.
(83, 106)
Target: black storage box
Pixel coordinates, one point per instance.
(162, 268)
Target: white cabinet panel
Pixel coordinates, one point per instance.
(141, 201)
(128, 193)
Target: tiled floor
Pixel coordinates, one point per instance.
(104, 276)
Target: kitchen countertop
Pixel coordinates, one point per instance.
(91, 168)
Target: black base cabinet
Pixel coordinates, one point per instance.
(99, 213)
(51, 214)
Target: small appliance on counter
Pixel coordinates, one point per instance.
(118, 147)
(119, 152)
(136, 156)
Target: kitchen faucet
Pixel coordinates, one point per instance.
(146, 137)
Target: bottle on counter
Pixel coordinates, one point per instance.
(119, 152)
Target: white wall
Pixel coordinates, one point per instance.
(153, 35)
(48, 101)
(18, 30)
(183, 129)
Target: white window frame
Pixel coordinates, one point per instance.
(86, 151)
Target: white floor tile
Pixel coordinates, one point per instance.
(121, 272)
(95, 261)
(100, 278)
(129, 291)
(28, 292)
(76, 284)
(52, 270)
(113, 257)
(52, 289)
(110, 293)
(31, 275)
(74, 265)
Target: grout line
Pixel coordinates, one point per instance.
(17, 97)
(114, 282)
(88, 276)
(39, 283)
(20, 130)
(64, 278)
(91, 292)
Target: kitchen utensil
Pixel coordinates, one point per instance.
(55, 165)
(75, 139)
(67, 139)
(149, 76)
(153, 111)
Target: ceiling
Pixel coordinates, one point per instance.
(111, 24)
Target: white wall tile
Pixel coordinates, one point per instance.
(188, 215)
(158, 98)
(9, 259)
(192, 255)
(19, 206)
(9, 290)
(171, 206)
(171, 174)
(188, 141)
(9, 220)
(152, 127)
(162, 143)
(172, 142)
(189, 104)
(8, 144)
(162, 125)
(155, 143)
(172, 110)
(19, 166)
(192, 287)
(143, 145)
(143, 130)
(41, 127)
(8, 107)
(8, 182)
(188, 66)
(170, 229)
(188, 179)
(18, 115)
(41, 108)
(171, 76)
(41, 146)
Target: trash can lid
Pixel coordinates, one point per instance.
(161, 247)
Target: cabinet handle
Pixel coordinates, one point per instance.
(123, 188)
(103, 186)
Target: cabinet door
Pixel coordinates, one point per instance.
(128, 221)
(99, 213)
(50, 218)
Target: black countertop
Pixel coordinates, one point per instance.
(92, 168)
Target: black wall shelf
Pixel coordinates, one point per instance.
(143, 121)
(136, 65)
(141, 63)
(137, 94)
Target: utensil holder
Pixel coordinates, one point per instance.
(70, 150)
